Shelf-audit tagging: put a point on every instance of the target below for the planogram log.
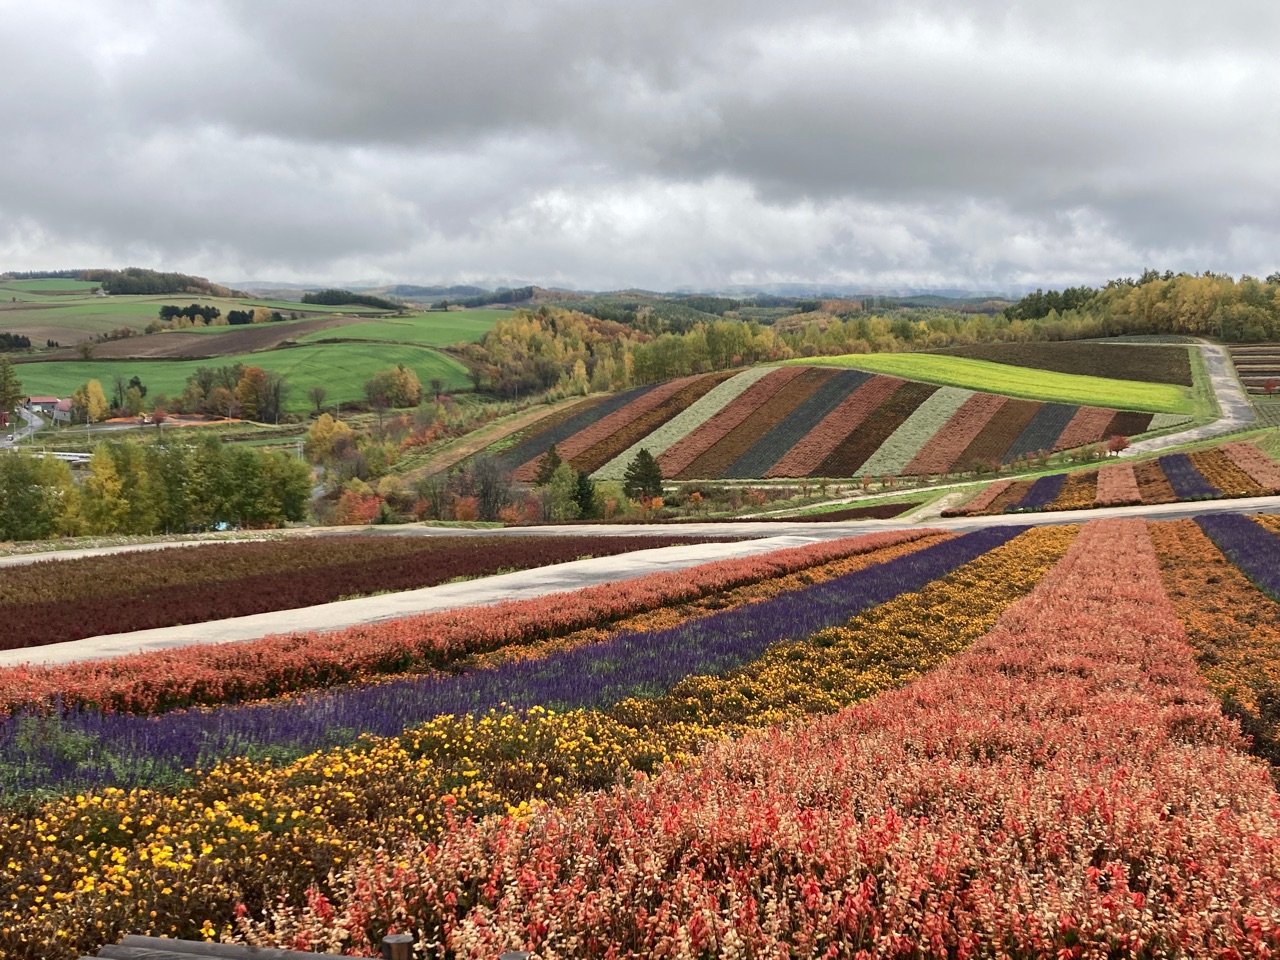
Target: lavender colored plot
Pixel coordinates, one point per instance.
(1043, 431)
(537, 445)
(1254, 549)
(1042, 493)
(1188, 483)
(87, 748)
(775, 444)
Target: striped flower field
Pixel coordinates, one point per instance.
(793, 422)
(1231, 470)
(915, 744)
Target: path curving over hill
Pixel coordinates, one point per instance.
(1233, 402)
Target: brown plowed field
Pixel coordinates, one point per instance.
(183, 345)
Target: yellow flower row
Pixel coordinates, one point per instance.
(249, 832)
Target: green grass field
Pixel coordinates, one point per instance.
(341, 368)
(44, 287)
(1019, 381)
(68, 319)
(436, 329)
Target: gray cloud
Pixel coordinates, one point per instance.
(973, 143)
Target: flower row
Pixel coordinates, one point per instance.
(1067, 787)
(248, 831)
(1233, 627)
(820, 421)
(218, 673)
(148, 750)
(71, 599)
(1233, 470)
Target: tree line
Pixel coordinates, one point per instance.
(137, 280)
(167, 487)
(1206, 304)
(501, 295)
(10, 342)
(341, 298)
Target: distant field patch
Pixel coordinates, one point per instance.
(434, 329)
(1116, 361)
(68, 319)
(1018, 381)
(48, 286)
(341, 368)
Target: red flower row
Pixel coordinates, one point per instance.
(1117, 486)
(1264, 471)
(1087, 426)
(211, 674)
(1066, 788)
(686, 450)
(946, 446)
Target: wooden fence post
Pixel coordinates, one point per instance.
(397, 946)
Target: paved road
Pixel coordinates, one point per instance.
(345, 613)
(1233, 403)
(566, 576)
(33, 424)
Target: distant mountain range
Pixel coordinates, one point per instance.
(420, 292)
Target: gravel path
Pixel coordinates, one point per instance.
(347, 613)
(1233, 402)
(570, 576)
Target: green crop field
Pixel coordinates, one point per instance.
(437, 329)
(1019, 381)
(341, 368)
(68, 319)
(44, 287)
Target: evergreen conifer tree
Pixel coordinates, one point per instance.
(643, 477)
(585, 495)
(547, 466)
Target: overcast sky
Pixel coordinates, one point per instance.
(615, 143)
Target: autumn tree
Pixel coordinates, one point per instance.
(324, 435)
(102, 495)
(249, 392)
(316, 395)
(11, 393)
(89, 403)
(397, 387)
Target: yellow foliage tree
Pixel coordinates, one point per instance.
(89, 402)
(324, 434)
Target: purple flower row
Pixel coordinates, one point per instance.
(1042, 493)
(127, 750)
(1188, 483)
(1250, 546)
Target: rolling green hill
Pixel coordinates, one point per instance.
(437, 329)
(341, 368)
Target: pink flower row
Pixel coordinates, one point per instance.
(606, 427)
(688, 449)
(807, 455)
(1086, 426)
(946, 446)
(1067, 788)
(1117, 486)
(1261, 469)
(985, 499)
(214, 673)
